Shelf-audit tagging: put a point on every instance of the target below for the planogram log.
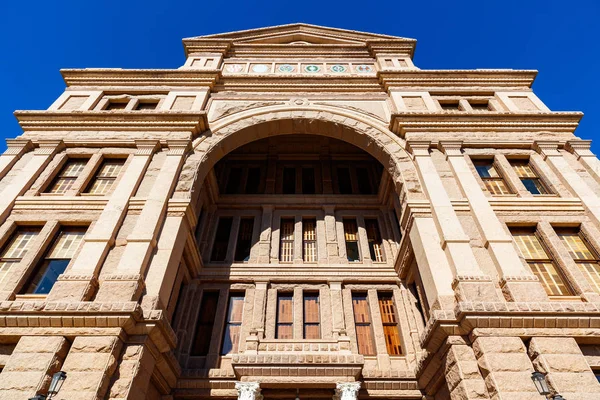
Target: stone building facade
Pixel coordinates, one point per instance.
(299, 212)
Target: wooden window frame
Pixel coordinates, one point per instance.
(535, 177)
(589, 267)
(366, 349)
(108, 178)
(286, 244)
(375, 240)
(287, 322)
(63, 175)
(11, 255)
(309, 240)
(390, 322)
(346, 220)
(235, 324)
(307, 321)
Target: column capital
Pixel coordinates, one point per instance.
(418, 147)
(546, 148)
(346, 391)
(178, 147)
(451, 147)
(248, 390)
(581, 148)
(16, 147)
(329, 208)
(146, 147)
(48, 147)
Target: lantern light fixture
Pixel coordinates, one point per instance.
(539, 380)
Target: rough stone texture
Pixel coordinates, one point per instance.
(462, 374)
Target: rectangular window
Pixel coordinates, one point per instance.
(289, 180)
(344, 182)
(244, 239)
(285, 316)
(450, 105)
(221, 244)
(234, 180)
(351, 236)
(116, 105)
(312, 326)
(286, 250)
(233, 325)
(493, 181)
(206, 322)
(483, 105)
(55, 260)
(364, 183)
(362, 321)
(15, 248)
(308, 181)
(67, 175)
(529, 177)
(106, 175)
(253, 181)
(375, 242)
(147, 105)
(390, 324)
(540, 262)
(309, 240)
(584, 256)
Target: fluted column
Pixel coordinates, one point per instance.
(469, 280)
(346, 391)
(518, 281)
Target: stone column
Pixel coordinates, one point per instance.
(517, 281)
(470, 283)
(89, 367)
(264, 243)
(331, 242)
(549, 150)
(15, 149)
(248, 390)
(21, 182)
(77, 284)
(260, 301)
(133, 373)
(581, 148)
(434, 269)
(506, 368)
(462, 374)
(568, 372)
(346, 391)
(30, 366)
(126, 283)
(337, 314)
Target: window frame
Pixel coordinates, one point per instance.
(227, 324)
(491, 161)
(561, 232)
(368, 324)
(95, 175)
(58, 175)
(393, 325)
(527, 162)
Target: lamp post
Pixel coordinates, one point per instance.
(57, 381)
(539, 380)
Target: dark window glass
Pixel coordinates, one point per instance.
(375, 241)
(289, 180)
(344, 182)
(351, 236)
(206, 321)
(532, 185)
(244, 239)
(253, 181)
(233, 183)
(219, 251)
(308, 180)
(364, 183)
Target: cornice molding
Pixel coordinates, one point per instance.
(174, 121)
(488, 78)
(401, 123)
(139, 77)
(299, 84)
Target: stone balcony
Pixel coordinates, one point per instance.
(289, 361)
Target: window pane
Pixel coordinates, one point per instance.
(289, 180)
(363, 180)
(309, 243)
(308, 180)
(233, 183)
(221, 244)
(591, 270)
(19, 243)
(206, 320)
(364, 333)
(529, 177)
(530, 246)
(231, 338)
(47, 275)
(375, 242)
(550, 278)
(345, 185)
(578, 248)
(244, 239)
(106, 175)
(496, 186)
(361, 308)
(285, 317)
(311, 316)
(350, 234)
(390, 324)
(67, 175)
(286, 251)
(534, 186)
(253, 181)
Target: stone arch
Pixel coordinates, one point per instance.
(378, 141)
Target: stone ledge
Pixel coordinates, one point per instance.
(249, 359)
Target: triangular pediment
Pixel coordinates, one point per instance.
(299, 34)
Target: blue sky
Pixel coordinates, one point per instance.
(560, 39)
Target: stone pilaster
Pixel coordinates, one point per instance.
(21, 182)
(581, 148)
(346, 391)
(462, 373)
(517, 281)
(470, 283)
(133, 373)
(260, 300)
(248, 391)
(506, 368)
(338, 321)
(126, 283)
(264, 244)
(14, 151)
(30, 367)
(78, 284)
(89, 367)
(569, 177)
(568, 372)
(331, 242)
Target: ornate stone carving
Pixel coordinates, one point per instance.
(248, 391)
(346, 391)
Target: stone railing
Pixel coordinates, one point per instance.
(257, 345)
